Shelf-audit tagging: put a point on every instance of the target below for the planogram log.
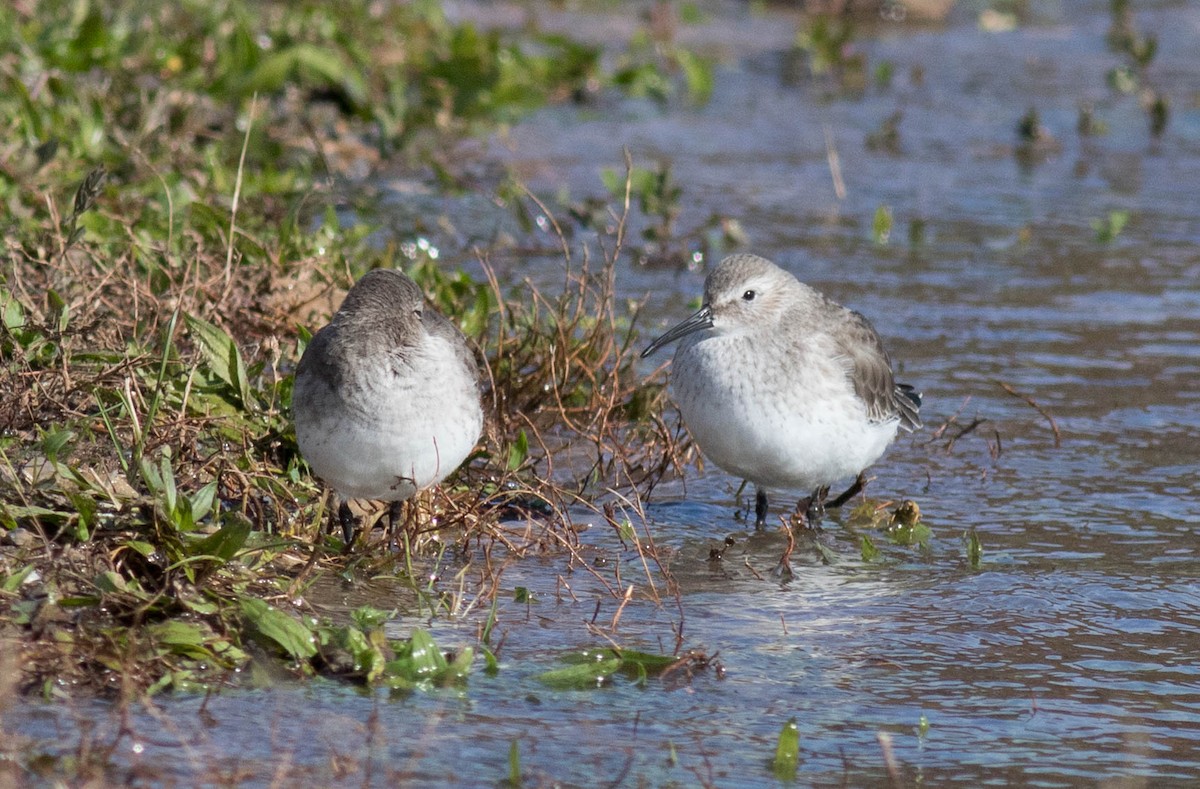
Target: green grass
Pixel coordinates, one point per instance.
(169, 177)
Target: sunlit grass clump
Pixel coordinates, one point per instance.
(170, 243)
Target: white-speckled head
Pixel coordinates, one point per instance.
(747, 293)
(743, 294)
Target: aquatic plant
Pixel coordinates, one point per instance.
(787, 752)
(1137, 50)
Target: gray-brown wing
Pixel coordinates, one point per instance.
(871, 373)
(321, 361)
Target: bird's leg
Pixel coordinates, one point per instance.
(395, 513)
(852, 491)
(760, 508)
(814, 511)
(737, 498)
(346, 518)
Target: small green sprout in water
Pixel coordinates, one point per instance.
(1108, 228)
(881, 226)
(514, 765)
(827, 42)
(922, 726)
(902, 525)
(905, 526)
(787, 752)
(1122, 79)
(869, 552)
(1159, 111)
(974, 549)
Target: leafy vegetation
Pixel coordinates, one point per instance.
(591, 669)
(787, 752)
(169, 184)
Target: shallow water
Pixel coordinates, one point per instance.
(1068, 657)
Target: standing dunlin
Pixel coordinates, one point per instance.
(782, 386)
(386, 400)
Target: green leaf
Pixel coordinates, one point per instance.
(11, 583)
(146, 549)
(881, 226)
(223, 358)
(974, 549)
(584, 676)
(368, 618)
(110, 582)
(514, 764)
(827, 554)
(699, 75)
(420, 662)
(199, 605)
(170, 493)
(613, 180)
(365, 649)
(428, 660)
(491, 666)
(289, 633)
(87, 508)
(23, 612)
(54, 440)
(787, 752)
(224, 543)
(1110, 227)
(644, 662)
(518, 451)
(150, 476)
(869, 552)
(183, 638)
(307, 62)
(916, 534)
(202, 501)
(18, 512)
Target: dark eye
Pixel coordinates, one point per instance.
(748, 295)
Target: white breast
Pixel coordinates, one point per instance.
(781, 417)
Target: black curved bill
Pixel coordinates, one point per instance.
(701, 320)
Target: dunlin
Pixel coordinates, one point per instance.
(782, 386)
(387, 398)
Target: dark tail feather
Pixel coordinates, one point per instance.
(908, 403)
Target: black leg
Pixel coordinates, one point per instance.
(851, 492)
(348, 522)
(815, 510)
(395, 518)
(760, 508)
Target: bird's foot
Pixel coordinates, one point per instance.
(810, 510)
(760, 509)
